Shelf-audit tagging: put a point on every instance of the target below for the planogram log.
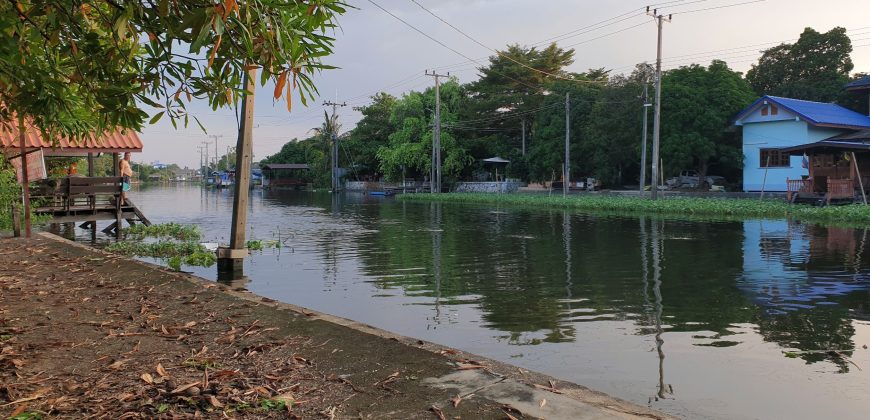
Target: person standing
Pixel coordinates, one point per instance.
(126, 171)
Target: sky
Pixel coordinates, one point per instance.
(376, 52)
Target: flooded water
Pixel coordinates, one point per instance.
(752, 319)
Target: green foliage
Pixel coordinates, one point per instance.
(371, 133)
(183, 249)
(410, 146)
(75, 67)
(814, 68)
(311, 151)
(697, 105)
(165, 230)
(673, 206)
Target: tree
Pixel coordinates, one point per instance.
(506, 93)
(370, 134)
(814, 68)
(410, 146)
(76, 67)
(306, 151)
(697, 106)
(612, 139)
(547, 152)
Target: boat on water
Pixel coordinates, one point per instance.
(222, 179)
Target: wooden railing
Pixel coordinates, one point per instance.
(797, 186)
(840, 188)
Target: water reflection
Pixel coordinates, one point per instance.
(597, 299)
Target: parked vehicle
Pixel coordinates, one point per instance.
(690, 179)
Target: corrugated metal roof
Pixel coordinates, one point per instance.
(860, 84)
(117, 141)
(271, 166)
(861, 135)
(816, 113)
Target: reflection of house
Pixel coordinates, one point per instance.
(772, 123)
(789, 266)
(284, 175)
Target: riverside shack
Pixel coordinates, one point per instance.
(74, 198)
(284, 175)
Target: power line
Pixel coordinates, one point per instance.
(716, 7)
(499, 53)
(446, 46)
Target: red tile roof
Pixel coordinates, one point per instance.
(115, 142)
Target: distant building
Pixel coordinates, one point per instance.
(772, 123)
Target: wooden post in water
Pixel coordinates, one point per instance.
(25, 182)
(230, 259)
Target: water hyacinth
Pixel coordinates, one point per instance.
(670, 206)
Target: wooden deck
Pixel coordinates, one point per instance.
(821, 192)
(88, 200)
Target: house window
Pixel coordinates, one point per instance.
(777, 159)
(764, 111)
(773, 109)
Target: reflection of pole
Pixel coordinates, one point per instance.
(566, 238)
(657, 294)
(435, 211)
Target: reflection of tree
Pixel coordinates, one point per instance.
(822, 334)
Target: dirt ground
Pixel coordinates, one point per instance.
(85, 334)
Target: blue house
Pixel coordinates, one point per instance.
(772, 123)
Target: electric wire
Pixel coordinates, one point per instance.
(499, 53)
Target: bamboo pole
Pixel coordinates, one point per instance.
(860, 181)
(764, 181)
(25, 183)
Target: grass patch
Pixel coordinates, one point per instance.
(672, 206)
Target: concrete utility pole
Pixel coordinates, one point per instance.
(657, 116)
(336, 186)
(435, 183)
(524, 136)
(566, 170)
(201, 167)
(217, 155)
(205, 145)
(646, 106)
(231, 260)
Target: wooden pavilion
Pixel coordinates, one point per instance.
(839, 169)
(283, 175)
(74, 198)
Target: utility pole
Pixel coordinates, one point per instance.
(201, 150)
(435, 183)
(216, 153)
(205, 146)
(566, 174)
(646, 106)
(335, 181)
(231, 259)
(524, 136)
(657, 115)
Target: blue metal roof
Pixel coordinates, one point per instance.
(860, 84)
(815, 113)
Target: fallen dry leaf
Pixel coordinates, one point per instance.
(438, 412)
(214, 402)
(161, 371)
(543, 402)
(147, 378)
(184, 388)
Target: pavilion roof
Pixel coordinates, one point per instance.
(118, 141)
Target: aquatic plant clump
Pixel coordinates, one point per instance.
(165, 230)
(673, 206)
